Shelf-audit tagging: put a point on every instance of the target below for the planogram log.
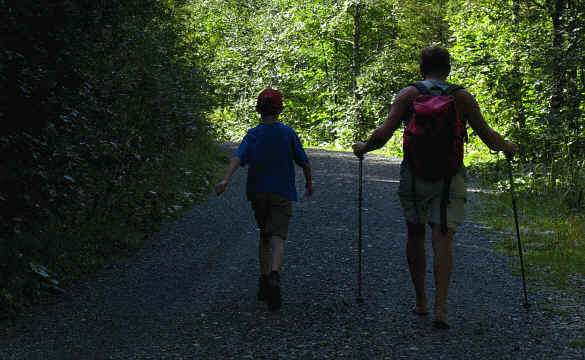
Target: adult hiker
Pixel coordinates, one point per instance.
(269, 150)
(432, 176)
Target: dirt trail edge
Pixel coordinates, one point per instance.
(191, 292)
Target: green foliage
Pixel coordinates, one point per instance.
(521, 60)
(528, 87)
(552, 231)
(226, 125)
(101, 99)
(305, 50)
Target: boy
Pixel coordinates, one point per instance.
(269, 150)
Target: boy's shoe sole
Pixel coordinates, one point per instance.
(274, 299)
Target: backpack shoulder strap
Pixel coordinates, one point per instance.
(428, 87)
(443, 88)
(452, 88)
(420, 86)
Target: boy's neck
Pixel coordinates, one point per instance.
(268, 119)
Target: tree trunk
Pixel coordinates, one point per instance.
(557, 101)
(517, 76)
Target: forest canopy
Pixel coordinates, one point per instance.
(340, 63)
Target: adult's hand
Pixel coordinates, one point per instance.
(510, 149)
(359, 149)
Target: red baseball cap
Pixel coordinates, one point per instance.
(270, 98)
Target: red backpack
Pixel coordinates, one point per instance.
(434, 136)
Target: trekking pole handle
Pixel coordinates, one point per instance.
(355, 147)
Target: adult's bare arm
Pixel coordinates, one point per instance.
(384, 132)
(470, 110)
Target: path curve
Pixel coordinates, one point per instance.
(190, 293)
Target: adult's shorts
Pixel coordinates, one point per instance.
(272, 213)
(425, 207)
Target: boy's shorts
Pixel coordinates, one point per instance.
(272, 213)
(427, 207)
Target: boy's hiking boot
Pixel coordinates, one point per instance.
(274, 299)
(262, 288)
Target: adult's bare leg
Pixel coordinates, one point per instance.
(417, 264)
(442, 265)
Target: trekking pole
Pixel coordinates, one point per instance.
(359, 298)
(509, 158)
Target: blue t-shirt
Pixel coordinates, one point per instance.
(269, 150)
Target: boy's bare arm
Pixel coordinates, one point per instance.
(309, 189)
(470, 110)
(231, 169)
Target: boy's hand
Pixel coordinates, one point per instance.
(309, 189)
(358, 149)
(220, 187)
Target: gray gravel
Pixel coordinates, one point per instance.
(190, 293)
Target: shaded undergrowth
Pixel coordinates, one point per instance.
(78, 243)
(552, 229)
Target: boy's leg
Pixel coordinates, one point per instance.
(417, 264)
(274, 297)
(265, 254)
(277, 250)
(279, 218)
(260, 206)
(280, 213)
(442, 265)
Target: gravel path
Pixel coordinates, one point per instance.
(190, 293)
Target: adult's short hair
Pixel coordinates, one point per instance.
(269, 102)
(435, 60)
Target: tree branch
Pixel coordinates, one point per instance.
(541, 6)
(343, 40)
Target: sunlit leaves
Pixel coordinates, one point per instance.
(304, 49)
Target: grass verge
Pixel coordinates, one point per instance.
(551, 232)
(552, 235)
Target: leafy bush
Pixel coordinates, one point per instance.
(100, 102)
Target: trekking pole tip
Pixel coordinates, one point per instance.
(526, 306)
(359, 300)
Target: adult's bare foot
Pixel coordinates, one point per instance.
(440, 321)
(420, 310)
